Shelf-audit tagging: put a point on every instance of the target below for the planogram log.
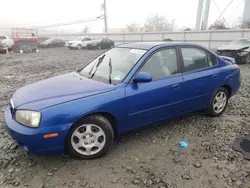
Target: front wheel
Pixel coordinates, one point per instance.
(99, 47)
(218, 102)
(79, 47)
(91, 137)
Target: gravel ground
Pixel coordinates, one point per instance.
(145, 158)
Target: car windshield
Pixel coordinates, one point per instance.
(49, 40)
(112, 66)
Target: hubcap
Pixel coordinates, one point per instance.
(88, 139)
(219, 102)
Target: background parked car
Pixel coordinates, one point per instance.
(99, 44)
(80, 43)
(2, 48)
(52, 43)
(238, 49)
(42, 39)
(167, 40)
(6, 41)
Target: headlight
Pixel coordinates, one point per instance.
(28, 118)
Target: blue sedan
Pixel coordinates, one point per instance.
(127, 87)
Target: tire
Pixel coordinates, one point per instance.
(99, 47)
(96, 134)
(213, 109)
(247, 59)
(79, 47)
(112, 46)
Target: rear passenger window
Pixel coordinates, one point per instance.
(194, 59)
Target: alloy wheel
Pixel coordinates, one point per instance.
(219, 102)
(88, 139)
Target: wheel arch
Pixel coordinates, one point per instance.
(228, 88)
(112, 119)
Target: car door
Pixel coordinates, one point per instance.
(159, 99)
(55, 43)
(85, 41)
(200, 76)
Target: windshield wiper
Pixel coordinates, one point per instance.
(110, 70)
(96, 65)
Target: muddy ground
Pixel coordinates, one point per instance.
(145, 158)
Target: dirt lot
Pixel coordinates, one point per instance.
(146, 158)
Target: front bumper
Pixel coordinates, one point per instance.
(72, 46)
(31, 139)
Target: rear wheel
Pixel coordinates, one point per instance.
(91, 137)
(218, 102)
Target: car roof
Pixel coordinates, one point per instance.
(149, 45)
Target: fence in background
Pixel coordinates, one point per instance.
(210, 39)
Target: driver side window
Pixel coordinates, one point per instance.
(161, 64)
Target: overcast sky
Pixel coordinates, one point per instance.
(120, 12)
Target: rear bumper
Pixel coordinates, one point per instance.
(31, 139)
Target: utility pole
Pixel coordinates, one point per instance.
(246, 14)
(206, 14)
(199, 15)
(105, 17)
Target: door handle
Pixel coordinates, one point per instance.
(175, 86)
(215, 76)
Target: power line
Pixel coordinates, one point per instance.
(236, 8)
(69, 23)
(220, 12)
(224, 10)
(57, 24)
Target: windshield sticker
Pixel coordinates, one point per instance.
(136, 51)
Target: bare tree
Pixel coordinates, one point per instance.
(245, 24)
(132, 28)
(187, 29)
(218, 25)
(86, 29)
(158, 23)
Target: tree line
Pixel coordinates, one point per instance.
(157, 23)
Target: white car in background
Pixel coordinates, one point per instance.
(80, 43)
(7, 42)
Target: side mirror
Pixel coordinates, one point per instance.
(142, 77)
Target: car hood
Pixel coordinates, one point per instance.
(57, 90)
(233, 47)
